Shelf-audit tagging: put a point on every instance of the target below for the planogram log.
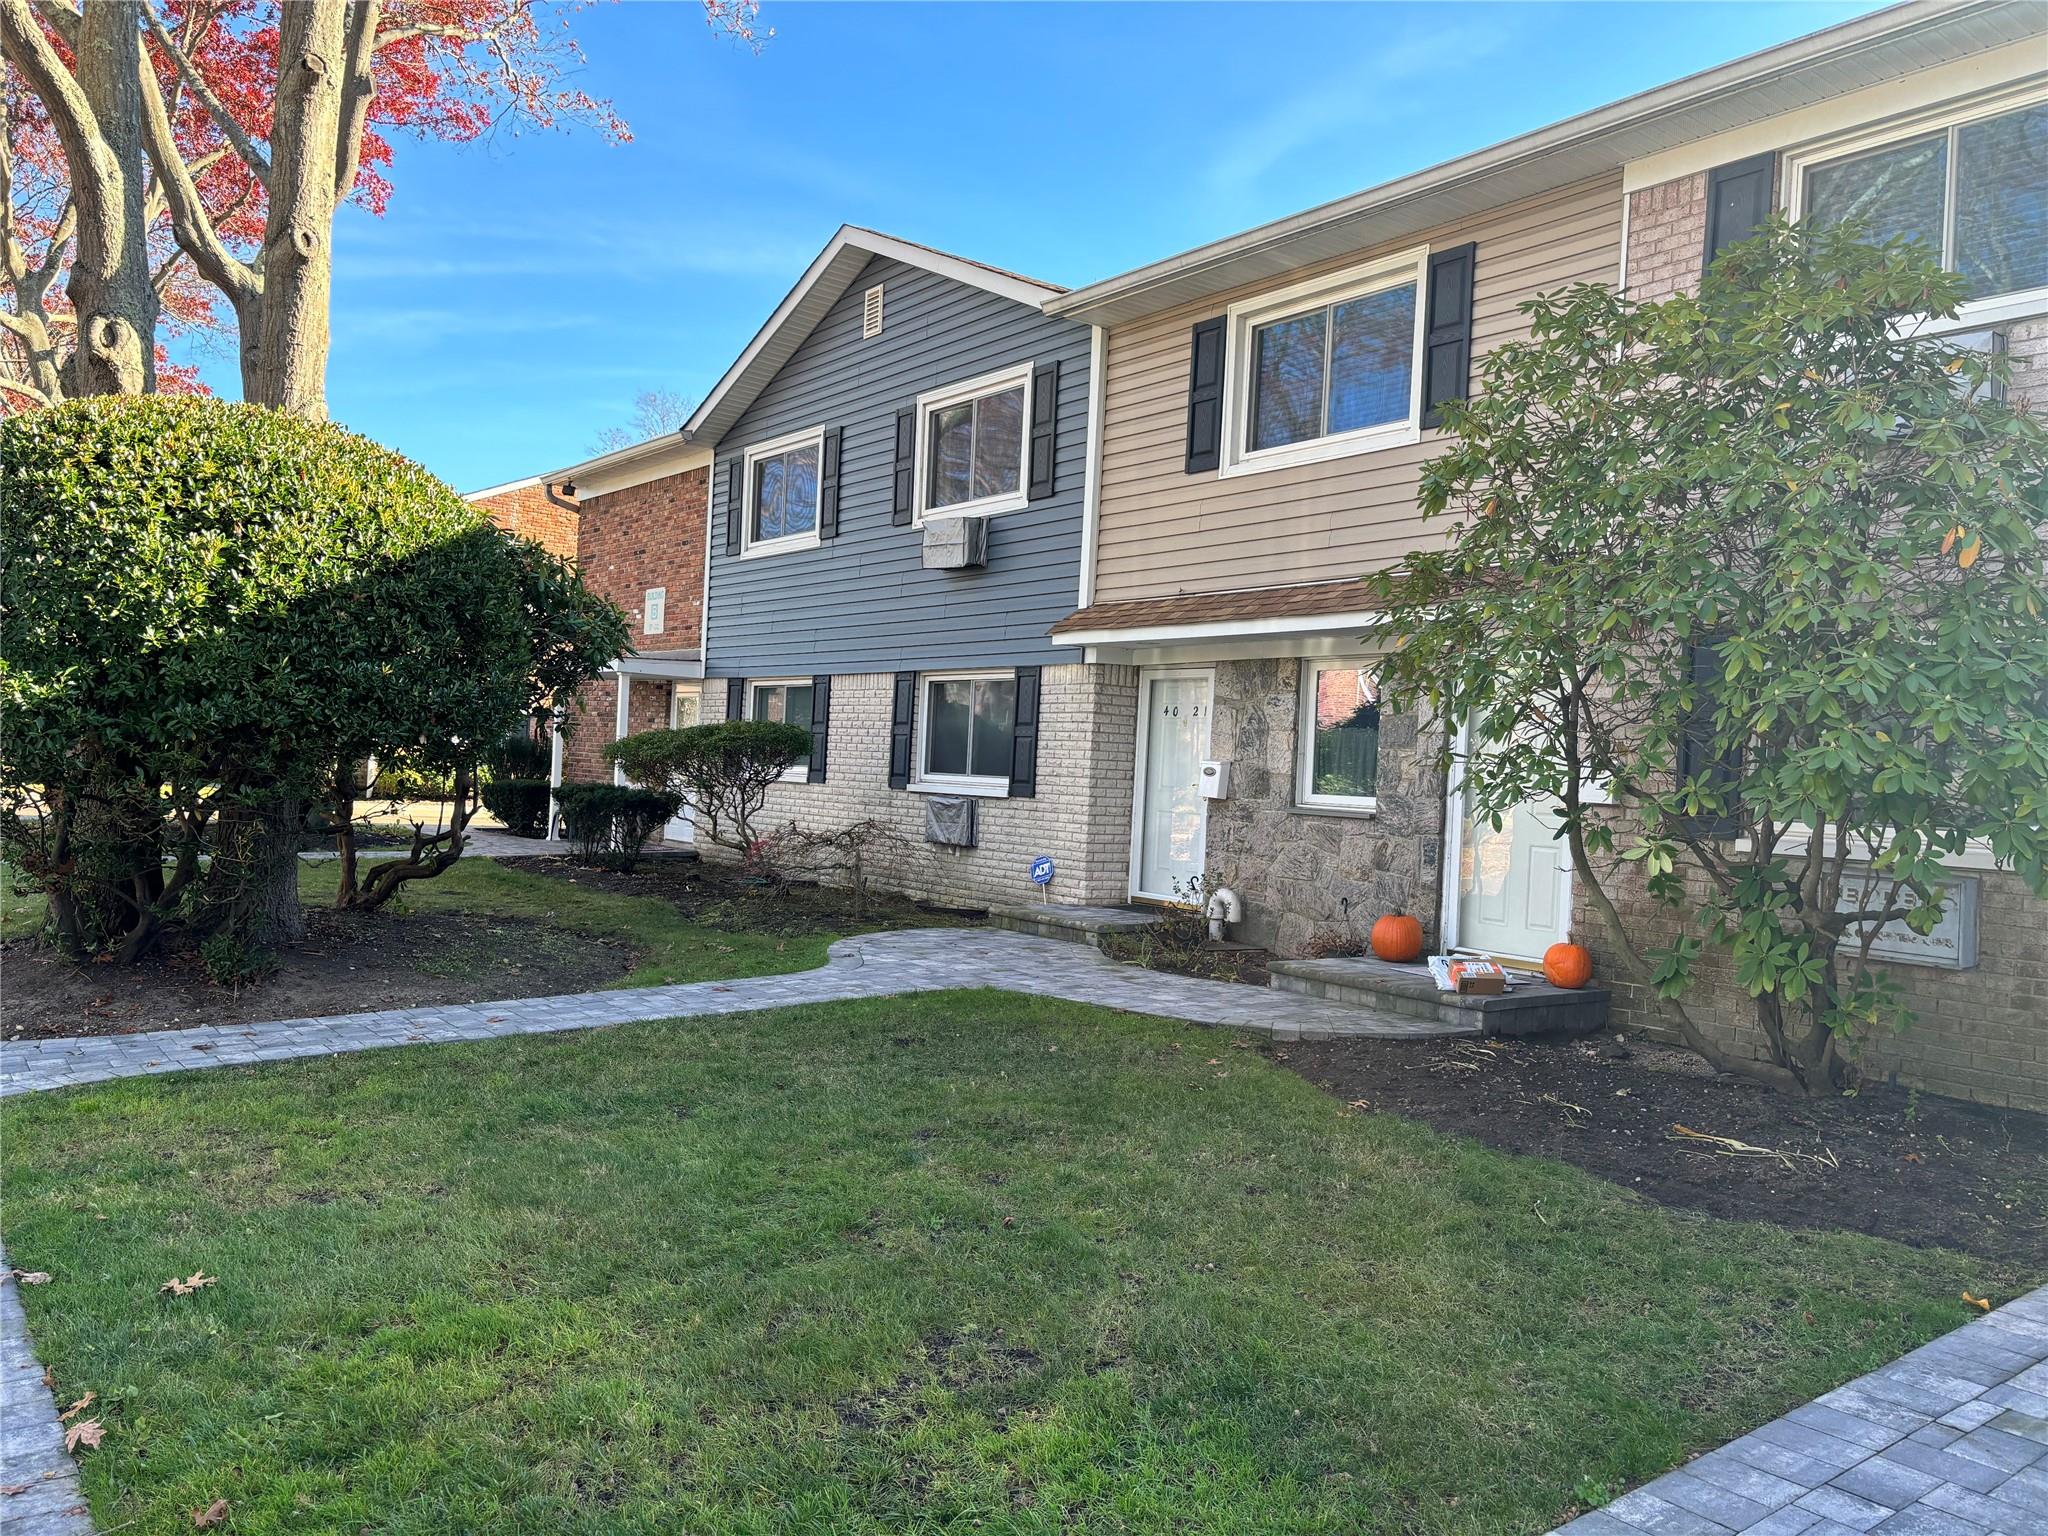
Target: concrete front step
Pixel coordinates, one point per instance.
(1529, 1007)
(1082, 925)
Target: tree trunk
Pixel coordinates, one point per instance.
(287, 366)
(252, 888)
(97, 112)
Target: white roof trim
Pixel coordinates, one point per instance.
(1904, 37)
(635, 464)
(1224, 629)
(845, 255)
(498, 490)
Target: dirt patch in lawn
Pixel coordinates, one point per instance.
(1915, 1168)
(348, 963)
(717, 896)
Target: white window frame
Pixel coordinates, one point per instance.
(795, 773)
(654, 611)
(922, 778)
(1243, 318)
(1305, 795)
(955, 394)
(1799, 163)
(752, 548)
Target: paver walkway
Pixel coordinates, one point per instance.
(1952, 1440)
(32, 1455)
(869, 965)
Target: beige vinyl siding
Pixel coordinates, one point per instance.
(1163, 531)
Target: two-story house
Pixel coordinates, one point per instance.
(1269, 398)
(896, 516)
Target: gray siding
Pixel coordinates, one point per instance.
(863, 602)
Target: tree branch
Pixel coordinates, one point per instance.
(188, 72)
(190, 223)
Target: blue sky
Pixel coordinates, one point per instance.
(520, 291)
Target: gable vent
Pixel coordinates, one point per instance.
(871, 313)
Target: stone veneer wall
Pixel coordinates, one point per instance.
(1302, 871)
(1080, 815)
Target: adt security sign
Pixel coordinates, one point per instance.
(1041, 870)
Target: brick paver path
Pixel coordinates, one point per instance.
(1952, 1440)
(870, 965)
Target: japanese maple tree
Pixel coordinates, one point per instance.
(177, 163)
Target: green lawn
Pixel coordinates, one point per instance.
(672, 948)
(968, 1262)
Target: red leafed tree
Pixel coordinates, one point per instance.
(175, 165)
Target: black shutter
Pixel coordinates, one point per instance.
(1045, 415)
(828, 487)
(1738, 199)
(900, 723)
(735, 698)
(1696, 737)
(1205, 396)
(1024, 746)
(734, 473)
(821, 716)
(906, 468)
(1447, 344)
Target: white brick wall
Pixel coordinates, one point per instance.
(1080, 815)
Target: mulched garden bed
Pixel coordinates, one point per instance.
(1210, 962)
(348, 963)
(1919, 1169)
(718, 896)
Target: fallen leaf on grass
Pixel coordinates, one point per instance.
(176, 1287)
(31, 1276)
(86, 1432)
(49, 1377)
(77, 1408)
(206, 1519)
(1981, 1303)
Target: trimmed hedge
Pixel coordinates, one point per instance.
(611, 823)
(522, 804)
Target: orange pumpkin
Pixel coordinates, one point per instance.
(1567, 965)
(1397, 937)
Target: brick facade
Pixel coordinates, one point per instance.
(630, 540)
(539, 512)
(1080, 815)
(1303, 872)
(1978, 1034)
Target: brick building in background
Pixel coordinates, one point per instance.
(533, 508)
(640, 542)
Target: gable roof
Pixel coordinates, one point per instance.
(1868, 51)
(827, 278)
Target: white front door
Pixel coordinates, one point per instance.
(1511, 897)
(1170, 827)
(683, 705)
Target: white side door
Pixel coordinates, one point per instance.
(1170, 820)
(1512, 894)
(683, 709)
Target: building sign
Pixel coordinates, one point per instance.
(1952, 946)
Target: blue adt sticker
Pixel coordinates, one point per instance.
(1041, 870)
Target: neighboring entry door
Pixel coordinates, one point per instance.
(1511, 888)
(1171, 825)
(683, 707)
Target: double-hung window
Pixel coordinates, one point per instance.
(1339, 737)
(1327, 368)
(787, 702)
(782, 494)
(971, 446)
(967, 727)
(1970, 184)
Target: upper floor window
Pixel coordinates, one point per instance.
(971, 445)
(1339, 756)
(782, 493)
(1327, 368)
(1972, 187)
